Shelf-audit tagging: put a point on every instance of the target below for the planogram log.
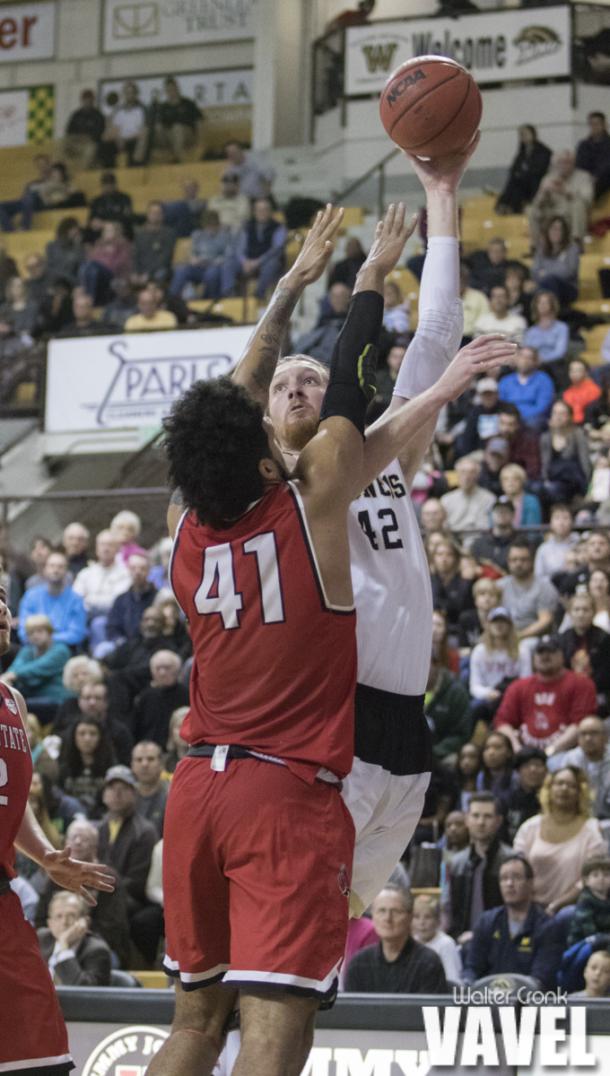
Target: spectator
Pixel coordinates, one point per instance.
(513, 938)
(566, 467)
(37, 669)
(75, 956)
(496, 772)
(482, 421)
(77, 672)
(450, 593)
(475, 303)
(519, 288)
(526, 171)
(468, 506)
(37, 279)
(559, 840)
(531, 390)
(592, 912)
(210, 247)
(86, 754)
(100, 583)
(109, 915)
(184, 214)
(255, 179)
(154, 247)
(176, 747)
(75, 542)
(447, 712)
(53, 810)
(20, 312)
(84, 324)
(596, 976)
(597, 418)
(259, 251)
(599, 589)
(551, 555)
(593, 153)
(150, 317)
(320, 341)
(432, 516)
(397, 964)
(57, 192)
(555, 265)
(586, 648)
(126, 839)
(109, 257)
(179, 122)
(446, 656)
(93, 702)
(40, 549)
(472, 622)
(65, 253)
(161, 554)
(43, 763)
(469, 761)
(130, 662)
(492, 548)
(545, 709)
(565, 191)
(232, 207)
(174, 628)
(494, 663)
(488, 267)
(155, 705)
(582, 391)
(595, 554)
(527, 510)
(395, 310)
(346, 270)
(426, 929)
(499, 319)
(127, 608)
(521, 800)
(523, 444)
(121, 306)
(592, 756)
(30, 200)
(56, 600)
(56, 307)
(126, 130)
(126, 526)
(84, 131)
(110, 205)
(152, 789)
(8, 270)
(473, 877)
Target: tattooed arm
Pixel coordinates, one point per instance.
(257, 365)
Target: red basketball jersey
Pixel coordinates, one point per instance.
(275, 663)
(15, 775)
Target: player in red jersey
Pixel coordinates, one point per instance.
(33, 1036)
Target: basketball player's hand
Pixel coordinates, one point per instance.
(391, 235)
(443, 174)
(318, 246)
(481, 356)
(77, 876)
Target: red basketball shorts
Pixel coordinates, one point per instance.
(256, 878)
(32, 1030)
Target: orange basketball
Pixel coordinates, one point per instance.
(431, 106)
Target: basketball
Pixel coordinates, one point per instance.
(431, 106)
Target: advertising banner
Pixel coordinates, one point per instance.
(27, 115)
(152, 24)
(499, 46)
(130, 381)
(27, 32)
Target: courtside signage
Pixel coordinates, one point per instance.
(27, 31)
(130, 381)
(499, 46)
(152, 24)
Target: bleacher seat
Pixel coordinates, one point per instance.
(594, 339)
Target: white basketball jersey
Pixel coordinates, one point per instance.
(392, 589)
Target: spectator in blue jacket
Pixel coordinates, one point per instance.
(126, 611)
(259, 251)
(530, 389)
(58, 601)
(513, 937)
(37, 670)
(548, 334)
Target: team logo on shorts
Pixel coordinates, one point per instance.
(11, 705)
(126, 1052)
(343, 880)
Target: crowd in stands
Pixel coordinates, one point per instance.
(514, 506)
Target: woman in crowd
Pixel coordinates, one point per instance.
(161, 555)
(176, 746)
(109, 257)
(444, 654)
(85, 756)
(174, 627)
(38, 668)
(427, 930)
(395, 310)
(78, 671)
(126, 527)
(469, 762)
(548, 334)
(528, 167)
(555, 265)
(21, 313)
(527, 506)
(486, 595)
(65, 253)
(498, 761)
(582, 391)
(599, 589)
(450, 592)
(566, 467)
(494, 662)
(559, 840)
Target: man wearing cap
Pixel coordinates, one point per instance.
(592, 756)
(495, 457)
(482, 421)
(531, 390)
(545, 709)
(492, 546)
(126, 839)
(520, 801)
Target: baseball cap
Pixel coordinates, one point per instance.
(487, 384)
(499, 445)
(548, 644)
(504, 502)
(499, 613)
(120, 773)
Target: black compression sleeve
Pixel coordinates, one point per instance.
(352, 369)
